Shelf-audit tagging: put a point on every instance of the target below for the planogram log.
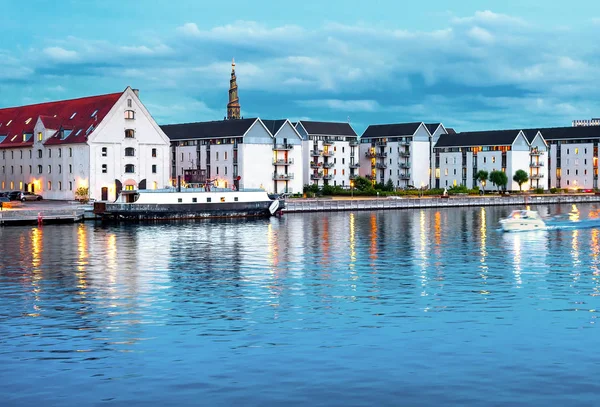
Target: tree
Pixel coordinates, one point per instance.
(482, 176)
(389, 185)
(362, 184)
(82, 193)
(520, 178)
(499, 179)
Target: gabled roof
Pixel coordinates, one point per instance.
(478, 138)
(16, 121)
(561, 133)
(273, 125)
(204, 130)
(450, 130)
(390, 130)
(327, 128)
(432, 127)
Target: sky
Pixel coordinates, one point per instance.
(472, 65)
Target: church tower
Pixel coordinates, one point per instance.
(233, 107)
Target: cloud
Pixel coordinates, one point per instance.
(344, 105)
(481, 35)
(60, 54)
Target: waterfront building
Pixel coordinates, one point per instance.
(105, 143)
(241, 153)
(585, 123)
(330, 153)
(458, 157)
(400, 152)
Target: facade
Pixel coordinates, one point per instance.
(243, 153)
(330, 153)
(399, 152)
(104, 143)
(458, 157)
(584, 123)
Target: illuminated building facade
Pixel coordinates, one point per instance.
(104, 143)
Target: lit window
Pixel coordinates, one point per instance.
(222, 199)
(493, 160)
(129, 114)
(49, 185)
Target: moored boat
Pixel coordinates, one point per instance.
(521, 221)
(189, 203)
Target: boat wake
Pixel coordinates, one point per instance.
(570, 224)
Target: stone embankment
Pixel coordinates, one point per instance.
(360, 204)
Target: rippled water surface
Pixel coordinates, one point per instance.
(431, 307)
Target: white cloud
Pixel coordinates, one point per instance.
(60, 54)
(481, 35)
(345, 105)
(189, 29)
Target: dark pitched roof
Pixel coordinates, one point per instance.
(74, 114)
(273, 125)
(328, 128)
(432, 127)
(390, 130)
(567, 133)
(199, 130)
(450, 130)
(478, 138)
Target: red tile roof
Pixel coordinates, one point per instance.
(16, 121)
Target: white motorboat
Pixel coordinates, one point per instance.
(521, 221)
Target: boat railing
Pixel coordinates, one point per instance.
(212, 189)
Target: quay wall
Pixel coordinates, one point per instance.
(328, 205)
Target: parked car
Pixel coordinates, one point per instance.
(5, 202)
(14, 195)
(29, 196)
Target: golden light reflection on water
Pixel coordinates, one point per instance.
(273, 248)
(373, 248)
(574, 214)
(37, 247)
(595, 249)
(111, 259)
(437, 226)
(352, 242)
(82, 259)
(483, 267)
(423, 251)
(325, 242)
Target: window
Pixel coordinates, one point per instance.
(21, 169)
(194, 200)
(70, 186)
(129, 114)
(153, 168)
(129, 168)
(70, 169)
(40, 169)
(576, 172)
(129, 133)
(344, 149)
(567, 153)
(104, 151)
(182, 157)
(225, 170)
(225, 155)
(567, 172)
(12, 169)
(484, 160)
(576, 151)
(446, 171)
(40, 136)
(344, 161)
(343, 172)
(30, 154)
(179, 200)
(104, 168)
(60, 185)
(49, 185)
(585, 151)
(130, 152)
(12, 155)
(222, 199)
(128, 187)
(70, 152)
(59, 169)
(30, 169)
(59, 152)
(49, 169)
(21, 154)
(39, 153)
(49, 153)
(153, 152)
(446, 160)
(235, 198)
(129, 103)
(217, 156)
(493, 160)
(217, 170)
(455, 171)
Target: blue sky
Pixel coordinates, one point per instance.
(472, 65)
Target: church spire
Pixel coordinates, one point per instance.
(233, 107)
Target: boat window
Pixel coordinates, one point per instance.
(235, 198)
(208, 199)
(179, 200)
(194, 199)
(222, 199)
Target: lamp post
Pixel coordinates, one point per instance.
(351, 189)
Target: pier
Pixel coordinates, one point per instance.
(49, 214)
(369, 204)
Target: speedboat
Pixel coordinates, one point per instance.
(521, 221)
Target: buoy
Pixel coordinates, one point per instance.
(39, 218)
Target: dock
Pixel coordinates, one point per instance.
(35, 217)
(361, 204)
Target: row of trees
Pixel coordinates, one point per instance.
(499, 178)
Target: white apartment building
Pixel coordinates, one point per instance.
(105, 143)
(459, 156)
(586, 122)
(330, 153)
(238, 153)
(399, 152)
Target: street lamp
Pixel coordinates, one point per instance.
(351, 189)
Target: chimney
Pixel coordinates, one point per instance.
(137, 92)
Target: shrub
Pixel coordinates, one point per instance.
(539, 190)
(553, 190)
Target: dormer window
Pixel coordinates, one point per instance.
(129, 114)
(95, 112)
(40, 136)
(65, 133)
(73, 116)
(27, 121)
(9, 122)
(24, 138)
(129, 133)
(89, 130)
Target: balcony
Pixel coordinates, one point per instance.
(381, 143)
(404, 143)
(536, 165)
(353, 143)
(354, 165)
(537, 176)
(316, 153)
(381, 166)
(536, 153)
(328, 153)
(282, 147)
(405, 175)
(328, 177)
(289, 161)
(327, 142)
(315, 166)
(353, 176)
(404, 153)
(370, 154)
(317, 176)
(328, 165)
(282, 177)
(404, 165)
(381, 155)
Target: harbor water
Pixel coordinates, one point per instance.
(397, 307)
